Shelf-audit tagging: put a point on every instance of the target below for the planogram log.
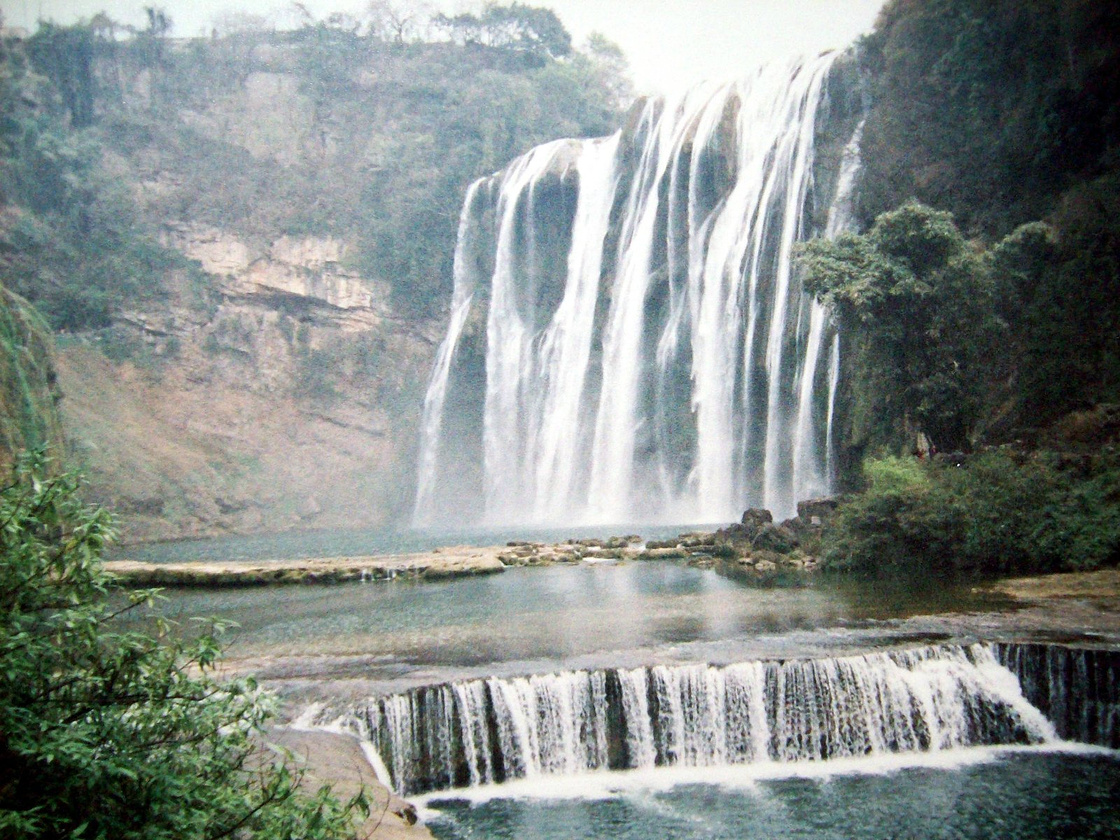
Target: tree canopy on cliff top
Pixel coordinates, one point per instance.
(1007, 113)
(385, 128)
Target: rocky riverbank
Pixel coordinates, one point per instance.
(755, 547)
(329, 758)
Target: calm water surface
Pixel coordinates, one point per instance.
(533, 619)
(362, 542)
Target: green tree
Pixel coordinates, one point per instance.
(65, 54)
(111, 733)
(989, 108)
(1060, 292)
(992, 513)
(535, 32)
(71, 240)
(917, 301)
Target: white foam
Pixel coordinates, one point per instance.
(604, 785)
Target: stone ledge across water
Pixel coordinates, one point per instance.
(434, 565)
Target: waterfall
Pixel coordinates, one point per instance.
(1077, 689)
(491, 730)
(649, 352)
(431, 420)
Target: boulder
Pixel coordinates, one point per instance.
(776, 538)
(765, 560)
(755, 518)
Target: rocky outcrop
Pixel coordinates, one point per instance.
(309, 271)
(755, 546)
(269, 388)
(462, 561)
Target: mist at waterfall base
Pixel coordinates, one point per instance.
(628, 339)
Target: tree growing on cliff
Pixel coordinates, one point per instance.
(118, 733)
(535, 32)
(918, 302)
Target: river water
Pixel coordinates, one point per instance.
(529, 620)
(343, 642)
(1024, 794)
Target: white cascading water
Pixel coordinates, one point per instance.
(676, 375)
(431, 420)
(483, 731)
(811, 473)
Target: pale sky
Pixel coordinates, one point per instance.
(669, 43)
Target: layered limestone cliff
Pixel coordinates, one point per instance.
(274, 389)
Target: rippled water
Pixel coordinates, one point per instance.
(979, 793)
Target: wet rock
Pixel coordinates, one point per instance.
(406, 811)
(702, 561)
(755, 518)
(697, 539)
(663, 552)
(604, 553)
(623, 542)
(776, 538)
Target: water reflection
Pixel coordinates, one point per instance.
(559, 616)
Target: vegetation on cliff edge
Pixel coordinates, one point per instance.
(343, 127)
(1007, 114)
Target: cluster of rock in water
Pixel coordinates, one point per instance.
(755, 545)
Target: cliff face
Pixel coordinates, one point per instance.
(244, 246)
(279, 392)
(271, 385)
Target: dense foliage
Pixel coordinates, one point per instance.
(29, 394)
(1007, 115)
(993, 513)
(1059, 290)
(990, 109)
(916, 302)
(114, 733)
(71, 240)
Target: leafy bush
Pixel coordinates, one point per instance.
(995, 513)
(109, 733)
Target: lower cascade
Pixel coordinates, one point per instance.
(491, 730)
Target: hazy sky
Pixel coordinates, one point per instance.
(668, 42)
